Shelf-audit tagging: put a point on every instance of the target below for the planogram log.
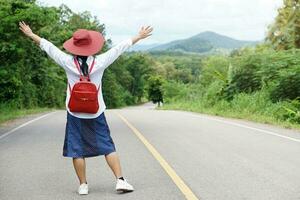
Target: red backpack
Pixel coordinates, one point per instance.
(84, 95)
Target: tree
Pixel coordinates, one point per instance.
(284, 33)
(155, 91)
(27, 77)
(139, 68)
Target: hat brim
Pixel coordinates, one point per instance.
(87, 50)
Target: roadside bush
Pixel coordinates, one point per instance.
(288, 86)
(212, 93)
(290, 111)
(214, 68)
(173, 91)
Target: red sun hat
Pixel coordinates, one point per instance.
(85, 42)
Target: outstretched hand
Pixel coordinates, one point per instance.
(145, 32)
(25, 29)
(28, 32)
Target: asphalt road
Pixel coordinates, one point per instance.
(216, 158)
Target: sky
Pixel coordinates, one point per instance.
(172, 20)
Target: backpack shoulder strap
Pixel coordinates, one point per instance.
(98, 88)
(92, 66)
(78, 67)
(77, 64)
(70, 88)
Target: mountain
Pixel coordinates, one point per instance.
(144, 47)
(204, 42)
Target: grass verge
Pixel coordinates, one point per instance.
(231, 112)
(7, 114)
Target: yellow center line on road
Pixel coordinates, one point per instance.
(189, 195)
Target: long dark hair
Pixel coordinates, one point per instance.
(83, 65)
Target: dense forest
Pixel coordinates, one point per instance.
(260, 83)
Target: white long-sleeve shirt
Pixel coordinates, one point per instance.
(102, 61)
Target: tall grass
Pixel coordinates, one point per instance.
(255, 106)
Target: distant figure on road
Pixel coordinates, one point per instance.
(87, 133)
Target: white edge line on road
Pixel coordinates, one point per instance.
(248, 127)
(25, 124)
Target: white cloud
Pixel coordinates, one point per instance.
(171, 19)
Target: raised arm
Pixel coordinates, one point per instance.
(55, 53)
(111, 55)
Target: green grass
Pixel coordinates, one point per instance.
(7, 113)
(254, 107)
(189, 106)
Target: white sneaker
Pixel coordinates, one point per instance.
(83, 189)
(123, 186)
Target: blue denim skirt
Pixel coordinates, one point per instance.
(87, 137)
